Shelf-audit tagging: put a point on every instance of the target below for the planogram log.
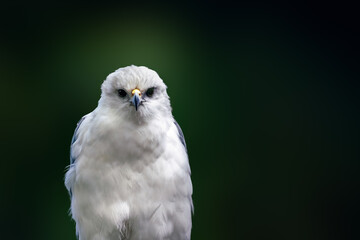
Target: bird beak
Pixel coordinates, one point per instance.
(136, 98)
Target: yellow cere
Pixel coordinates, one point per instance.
(136, 91)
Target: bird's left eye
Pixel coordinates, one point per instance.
(150, 92)
(122, 93)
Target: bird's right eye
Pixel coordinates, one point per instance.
(122, 93)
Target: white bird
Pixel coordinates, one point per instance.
(129, 174)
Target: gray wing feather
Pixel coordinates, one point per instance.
(181, 135)
(74, 138)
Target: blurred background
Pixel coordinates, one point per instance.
(267, 95)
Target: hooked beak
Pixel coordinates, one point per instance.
(136, 98)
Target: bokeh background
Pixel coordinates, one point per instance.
(267, 95)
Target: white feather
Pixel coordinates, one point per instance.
(131, 177)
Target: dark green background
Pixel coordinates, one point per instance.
(267, 96)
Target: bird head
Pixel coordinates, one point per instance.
(135, 92)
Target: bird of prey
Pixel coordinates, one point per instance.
(129, 174)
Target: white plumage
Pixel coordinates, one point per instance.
(129, 176)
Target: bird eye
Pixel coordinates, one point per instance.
(122, 93)
(150, 92)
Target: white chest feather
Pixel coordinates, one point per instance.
(130, 183)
